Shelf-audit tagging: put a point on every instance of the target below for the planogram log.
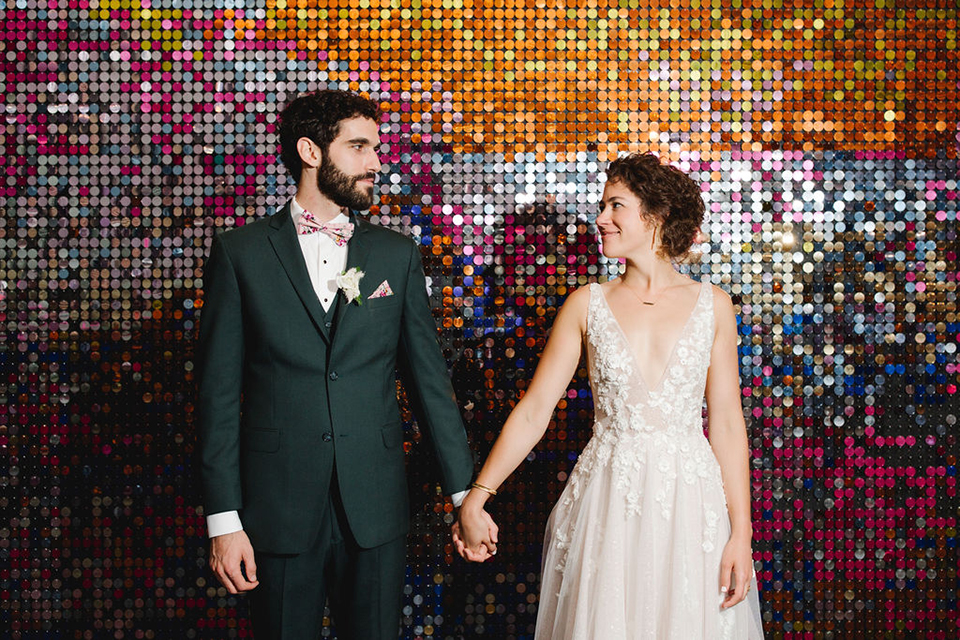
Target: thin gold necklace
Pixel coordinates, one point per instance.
(654, 301)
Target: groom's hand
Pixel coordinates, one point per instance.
(475, 535)
(480, 555)
(231, 555)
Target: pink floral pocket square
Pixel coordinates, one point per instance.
(382, 291)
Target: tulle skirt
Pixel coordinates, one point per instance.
(641, 562)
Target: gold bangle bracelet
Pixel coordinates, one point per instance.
(477, 485)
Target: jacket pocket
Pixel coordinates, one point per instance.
(381, 303)
(381, 310)
(265, 440)
(392, 435)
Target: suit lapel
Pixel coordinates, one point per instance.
(287, 247)
(357, 253)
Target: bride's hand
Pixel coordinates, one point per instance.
(475, 535)
(736, 571)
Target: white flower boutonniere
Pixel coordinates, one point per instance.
(349, 283)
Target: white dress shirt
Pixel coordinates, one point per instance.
(324, 260)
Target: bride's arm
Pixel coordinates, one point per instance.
(529, 419)
(728, 437)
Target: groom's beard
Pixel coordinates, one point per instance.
(343, 188)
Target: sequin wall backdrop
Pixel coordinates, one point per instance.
(824, 133)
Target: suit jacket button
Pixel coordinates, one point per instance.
(333, 375)
(328, 324)
(327, 437)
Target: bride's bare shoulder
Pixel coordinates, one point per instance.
(723, 306)
(576, 305)
(578, 299)
(721, 299)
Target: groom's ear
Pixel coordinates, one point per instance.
(309, 152)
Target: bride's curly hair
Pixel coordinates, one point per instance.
(668, 195)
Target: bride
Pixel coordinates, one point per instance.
(651, 535)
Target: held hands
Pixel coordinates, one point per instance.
(227, 552)
(475, 536)
(475, 533)
(736, 571)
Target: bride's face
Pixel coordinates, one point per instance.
(625, 227)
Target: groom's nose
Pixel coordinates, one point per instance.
(373, 163)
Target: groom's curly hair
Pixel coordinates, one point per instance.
(317, 116)
(668, 195)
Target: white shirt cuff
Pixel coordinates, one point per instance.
(219, 524)
(458, 497)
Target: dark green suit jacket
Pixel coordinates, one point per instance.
(285, 399)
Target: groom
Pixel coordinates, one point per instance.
(307, 316)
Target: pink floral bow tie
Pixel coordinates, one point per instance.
(340, 232)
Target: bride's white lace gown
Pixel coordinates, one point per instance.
(633, 546)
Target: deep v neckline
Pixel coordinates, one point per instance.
(673, 350)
